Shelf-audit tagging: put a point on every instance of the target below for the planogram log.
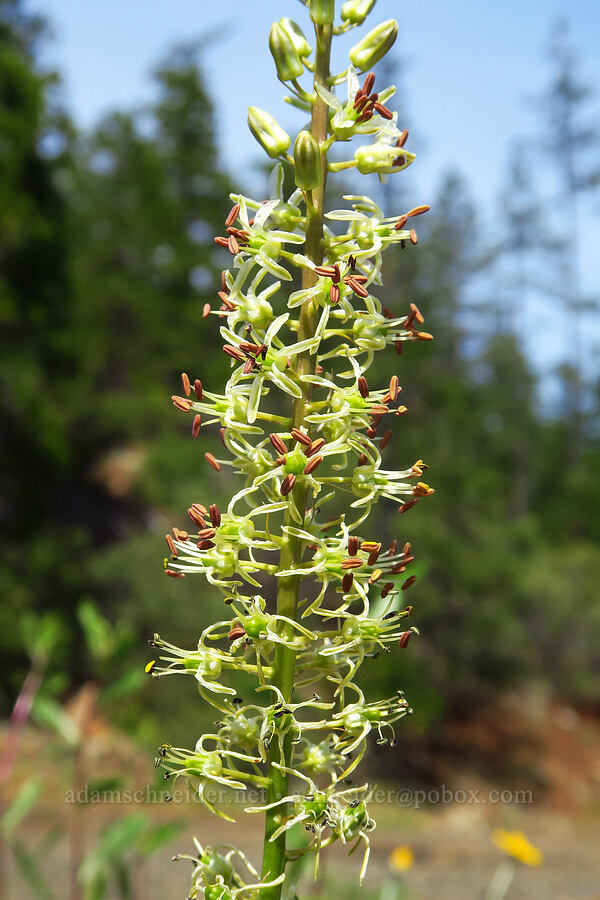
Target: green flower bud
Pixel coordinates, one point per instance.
(381, 158)
(307, 158)
(269, 134)
(283, 50)
(374, 45)
(322, 11)
(297, 36)
(356, 11)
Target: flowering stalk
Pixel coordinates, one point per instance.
(313, 347)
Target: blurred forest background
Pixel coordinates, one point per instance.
(106, 260)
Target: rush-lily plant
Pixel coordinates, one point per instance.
(310, 594)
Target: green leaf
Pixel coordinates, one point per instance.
(97, 630)
(50, 714)
(30, 871)
(127, 683)
(156, 836)
(21, 805)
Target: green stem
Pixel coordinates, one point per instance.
(274, 853)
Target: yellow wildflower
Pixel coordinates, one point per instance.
(401, 858)
(517, 845)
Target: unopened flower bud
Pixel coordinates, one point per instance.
(307, 158)
(356, 11)
(283, 50)
(322, 11)
(374, 45)
(269, 134)
(297, 36)
(381, 158)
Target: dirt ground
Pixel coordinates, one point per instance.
(536, 769)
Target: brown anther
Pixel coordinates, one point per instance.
(422, 336)
(280, 461)
(312, 464)
(407, 560)
(196, 425)
(315, 447)
(173, 574)
(196, 517)
(385, 439)
(398, 346)
(417, 211)
(185, 381)
(379, 410)
(371, 432)
(360, 102)
(249, 365)
(399, 161)
(353, 562)
(360, 279)
(413, 236)
(171, 545)
(215, 514)
(249, 347)
(387, 588)
(388, 312)
(402, 139)
(422, 490)
(234, 352)
(408, 505)
(287, 484)
(401, 410)
(368, 83)
(383, 111)
(352, 545)
(206, 534)
(232, 215)
(354, 285)
(409, 582)
(212, 462)
(363, 387)
(401, 223)
(301, 437)
(180, 535)
(347, 582)
(374, 556)
(362, 460)
(352, 262)
(222, 435)
(198, 389)
(325, 271)
(222, 241)
(404, 639)
(236, 632)
(224, 281)
(334, 293)
(232, 244)
(391, 550)
(206, 311)
(181, 403)
(375, 576)
(408, 610)
(365, 116)
(223, 297)
(394, 388)
(205, 545)
(278, 443)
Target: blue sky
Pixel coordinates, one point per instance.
(469, 69)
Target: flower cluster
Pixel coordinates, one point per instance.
(302, 426)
